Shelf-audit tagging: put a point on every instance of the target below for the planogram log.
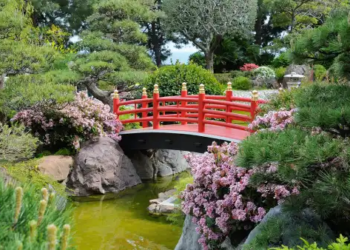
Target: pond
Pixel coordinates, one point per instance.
(122, 221)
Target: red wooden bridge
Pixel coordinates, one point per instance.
(195, 120)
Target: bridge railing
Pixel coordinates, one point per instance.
(186, 109)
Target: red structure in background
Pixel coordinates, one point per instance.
(203, 111)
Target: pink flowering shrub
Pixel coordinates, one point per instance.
(249, 67)
(273, 120)
(69, 124)
(220, 199)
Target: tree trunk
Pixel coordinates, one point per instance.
(156, 44)
(209, 59)
(103, 96)
(258, 24)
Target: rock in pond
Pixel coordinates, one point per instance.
(101, 167)
(165, 204)
(158, 163)
(56, 166)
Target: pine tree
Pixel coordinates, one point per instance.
(113, 57)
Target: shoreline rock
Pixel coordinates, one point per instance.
(101, 167)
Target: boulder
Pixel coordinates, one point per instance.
(292, 228)
(158, 163)
(261, 82)
(101, 167)
(189, 238)
(56, 166)
(165, 203)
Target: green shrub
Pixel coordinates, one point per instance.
(64, 151)
(21, 225)
(341, 244)
(198, 58)
(170, 78)
(283, 60)
(320, 72)
(223, 78)
(237, 73)
(282, 100)
(16, 143)
(280, 72)
(127, 117)
(242, 83)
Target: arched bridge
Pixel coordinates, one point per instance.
(186, 122)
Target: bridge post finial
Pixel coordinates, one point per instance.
(144, 92)
(229, 86)
(184, 86)
(255, 95)
(156, 89)
(116, 94)
(201, 89)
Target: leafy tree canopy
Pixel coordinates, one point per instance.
(205, 23)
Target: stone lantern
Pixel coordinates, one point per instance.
(293, 80)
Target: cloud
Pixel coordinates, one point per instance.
(189, 48)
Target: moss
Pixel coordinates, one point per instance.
(28, 172)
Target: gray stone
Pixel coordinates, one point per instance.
(292, 223)
(101, 167)
(169, 162)
(261, 82)
(143, 164)
(189, 238)
(56, 166)
(152, 163)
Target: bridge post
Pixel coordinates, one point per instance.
(155, 107)
(144, 105)
(255, 104)
(201, 106)
(228, 98)
(116, 102)
(183, 104)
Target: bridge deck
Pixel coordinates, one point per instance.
(181, 137)
(210, 130)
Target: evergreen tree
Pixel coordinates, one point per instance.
(113, 57)
(327, 45)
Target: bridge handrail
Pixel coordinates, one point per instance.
(189, 108)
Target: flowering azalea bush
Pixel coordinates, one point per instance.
(249, 67)
(224, 200)
(69, 124)
(220, 199)
(273, 120)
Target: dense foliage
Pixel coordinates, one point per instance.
(241, 83)
(69, 124)
(30, 219)
(326, 45)
(186, 18)
(170, 78)
(16, 144)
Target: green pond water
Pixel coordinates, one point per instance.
(123, 222)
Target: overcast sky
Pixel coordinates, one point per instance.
(180, 54)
